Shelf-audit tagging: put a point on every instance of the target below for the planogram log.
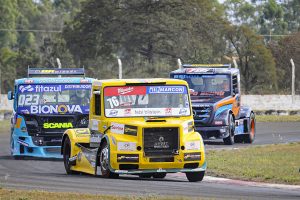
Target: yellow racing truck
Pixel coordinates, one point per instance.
(141, 127)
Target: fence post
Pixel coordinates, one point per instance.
(293, 79)
(120, 68)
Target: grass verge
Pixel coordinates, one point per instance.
(277, 118)
(278, 163)
(4, 126)
(13, 194)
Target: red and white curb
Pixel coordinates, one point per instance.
(211, 179)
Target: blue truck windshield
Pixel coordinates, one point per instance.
(207, 87)
(53, 98)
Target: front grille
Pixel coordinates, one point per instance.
(161, 141)
(167, 159)
(52, 136)
(202, 113)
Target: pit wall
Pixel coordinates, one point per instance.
(262, 104)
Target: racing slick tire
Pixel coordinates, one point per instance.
(195, 176)
(160, 175)
(249, 138)
(66, 156)
(103, 161)
(231, 128)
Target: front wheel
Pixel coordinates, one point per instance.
(249, 138)
(195, 176)
(104, 162)
(66, 156)
(231, 128)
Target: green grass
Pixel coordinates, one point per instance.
(4, 126)
(278, 163)
(277, 118)
(42, 195)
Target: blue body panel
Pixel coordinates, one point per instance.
(22, 143)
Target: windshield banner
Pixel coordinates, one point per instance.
(52, 88)
(143, 90)
(166, 100)
(53, 98)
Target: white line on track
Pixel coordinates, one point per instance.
(211, 179)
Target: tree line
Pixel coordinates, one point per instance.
(149, 35)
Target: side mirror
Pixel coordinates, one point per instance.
(10, 95)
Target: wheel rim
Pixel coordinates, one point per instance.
(104, 158)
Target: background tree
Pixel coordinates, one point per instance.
(255, 61)
(283, 51)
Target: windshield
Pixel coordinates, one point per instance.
(207, 87)
(53, 98)
(146, 101)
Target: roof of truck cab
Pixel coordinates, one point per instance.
(121, 82)
(205, 70)
(53, 80)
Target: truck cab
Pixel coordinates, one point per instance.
(142, 127)
(216, 101)
(45, 105)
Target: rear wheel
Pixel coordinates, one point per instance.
(160, 175)
(104, 162)
(66, 156)
(249, 138)
(195, 176)
(231, 128)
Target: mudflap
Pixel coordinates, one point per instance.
(242, 126)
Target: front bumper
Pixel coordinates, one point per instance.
(185, 161)
(161, 170)
(207, 132)
(24, 146)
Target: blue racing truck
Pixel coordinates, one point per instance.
(44, 107)
(216, 102)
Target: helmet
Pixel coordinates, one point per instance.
(80, 93)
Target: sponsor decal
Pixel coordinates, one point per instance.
(119, 91)
(53, 87)
(117, 128)
(113, 113)
(127, 111)
(28, 81)
(182, 111)
(27, 88)
(23, 143)
(126, 146)
(161, 143)
(168, 111)
(192, 145)
(123, 91)
(58, 125)
(166, 90)
(50, 109)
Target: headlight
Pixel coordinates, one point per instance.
(126, 146)
(192, 145)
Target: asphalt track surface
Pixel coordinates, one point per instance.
(50, 175)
